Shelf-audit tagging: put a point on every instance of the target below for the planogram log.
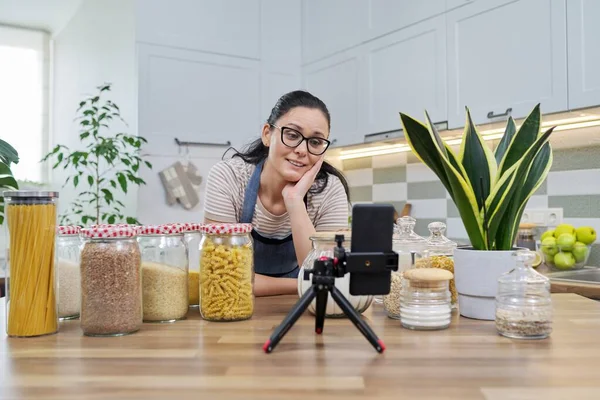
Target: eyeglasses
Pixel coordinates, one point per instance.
(292, 138)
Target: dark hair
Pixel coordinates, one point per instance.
(256, 151)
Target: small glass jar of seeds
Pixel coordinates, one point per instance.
(111, 281)
(523, 302)
(440, 254)
(164, 272)
(226, 272)
(192, 235)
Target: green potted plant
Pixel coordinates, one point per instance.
(107, 165)
(8, 155)
(490, 190)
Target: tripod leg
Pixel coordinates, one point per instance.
(355, 318)
(320, 311)
(290, 319)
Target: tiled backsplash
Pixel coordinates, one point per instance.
(572, 184)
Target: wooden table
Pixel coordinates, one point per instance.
(198, 359)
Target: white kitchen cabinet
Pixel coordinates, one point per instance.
(196, 97)
(407, 73)
(340, 82)
(583, 33)
(506, 55)
(386, 16)
(330, 26)
(452, 4)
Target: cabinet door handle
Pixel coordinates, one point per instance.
(505, 114)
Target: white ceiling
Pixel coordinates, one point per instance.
(48, 15)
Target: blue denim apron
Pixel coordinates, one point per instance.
(272, 257)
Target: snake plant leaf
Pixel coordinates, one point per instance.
(537, 174)
(522, 140)
(520, 171)
(8, 154)
(478, 161)
(425, 144)
(509, 132)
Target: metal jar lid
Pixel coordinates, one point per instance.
(30, 194)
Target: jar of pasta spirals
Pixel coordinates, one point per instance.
(226, 272)
(31, 308)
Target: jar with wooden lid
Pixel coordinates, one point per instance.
(164, 272)
(226, 272)
(523, 303)
(111, 281)
(68, 252)
(425, 299)
(323, 244)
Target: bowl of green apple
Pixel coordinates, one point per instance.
(566, 248)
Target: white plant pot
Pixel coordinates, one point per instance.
(476, 274)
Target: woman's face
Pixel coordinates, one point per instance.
(293, 163)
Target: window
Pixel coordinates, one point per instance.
(23, 98)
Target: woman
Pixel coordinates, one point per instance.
(282, 186)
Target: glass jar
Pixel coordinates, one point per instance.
(31, 306)
(111, 281)
(439, 253)
(323, 244)
(164, 272)
(226, 272)
(523, 302)
(410, 248)
(526, 236)
(68, 251)
(192, 237)
(425, 299)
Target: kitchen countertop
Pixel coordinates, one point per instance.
(200, 359)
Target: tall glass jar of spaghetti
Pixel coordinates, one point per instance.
(226, 272)
(31, 308)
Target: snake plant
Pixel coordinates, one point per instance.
(490, 188)
(8, 155)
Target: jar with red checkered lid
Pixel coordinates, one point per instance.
(191, 236)
(111, 281)
(164, 272)
(68, 252)
(226, 272)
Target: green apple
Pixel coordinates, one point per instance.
(564, 228)
(580, 252)
(586, 234)
(549, 233)
(566, 241)
(564, 261)
(549, 246)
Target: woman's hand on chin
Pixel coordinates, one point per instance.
(293, 193)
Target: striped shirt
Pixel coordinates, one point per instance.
(225, 188)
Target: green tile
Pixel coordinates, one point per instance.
(451, 209)
(594, 259)
(361, 193)
(577, 158)
(425, 190)
(357, 163)
(421, 227)
(543, 189)
(389, 175)
(580, 206)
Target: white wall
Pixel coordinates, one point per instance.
(96, 46)
(209, 71)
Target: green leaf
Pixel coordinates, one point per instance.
(8, 154)
(4, 169)
(81, 104)
(478, 161)
(108, 197)
(90, 180)
(522, 140)
(510, 196)
(131, 220)
(76, 181)
(135, 167)
(122, 181)
(85, 122)
(84, 135)
(113, 184)
(149, 165)
(509, 132)
(111, 219)
(8, 182)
